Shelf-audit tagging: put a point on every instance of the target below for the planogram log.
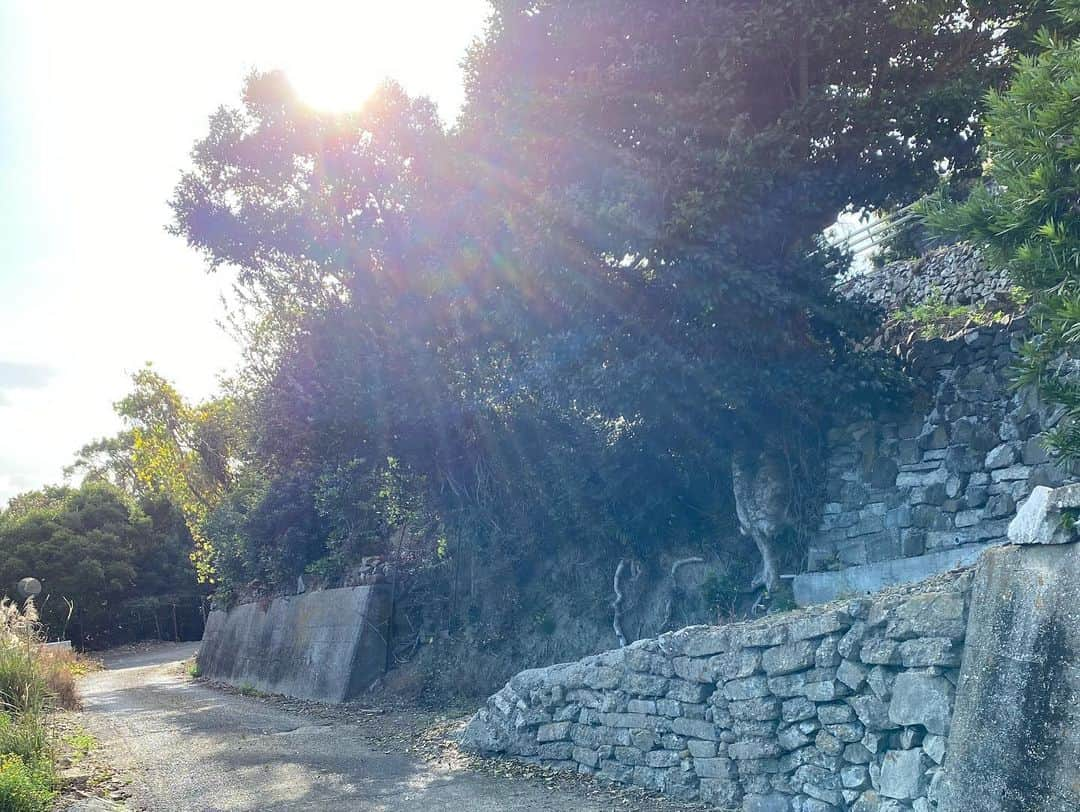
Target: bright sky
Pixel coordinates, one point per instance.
(100, 104)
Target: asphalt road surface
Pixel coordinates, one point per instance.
(186, 746)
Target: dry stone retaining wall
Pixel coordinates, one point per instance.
(954, 274)
(841, 707)
(945, 473)
(925, 488)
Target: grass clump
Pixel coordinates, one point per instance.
(935, 318)
(33, 681)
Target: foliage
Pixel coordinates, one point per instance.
(1026, 218)
(96, 547)
(24, 787)
(935, 318)
(27, 775)
(551, 325)
(183, 452)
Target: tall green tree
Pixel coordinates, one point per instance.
(608, 275)
(1026, 214)
(183, 452)
(97, 548)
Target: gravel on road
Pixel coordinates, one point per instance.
(186, 744)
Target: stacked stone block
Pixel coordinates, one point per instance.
(953, 274)
(949, 468)
(841, 707)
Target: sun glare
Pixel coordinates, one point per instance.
(333, 87)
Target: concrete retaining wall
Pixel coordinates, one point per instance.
(328, 645)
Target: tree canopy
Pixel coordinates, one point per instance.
(97, 548)
(555, 321)
(1026, 215)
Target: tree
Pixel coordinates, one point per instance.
(97, 548)
(1025, 216)
(183, 452)
(563, 318)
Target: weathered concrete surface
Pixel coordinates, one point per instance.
(1015, 737)
(812, 588)
(327, 645)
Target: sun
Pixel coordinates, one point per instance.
(331, 85)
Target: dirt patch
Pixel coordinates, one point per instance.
(431, 737)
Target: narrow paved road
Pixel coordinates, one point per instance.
(189, 747)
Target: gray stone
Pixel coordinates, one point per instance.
(792, 738)
(818, 625)
(1015, 733)
(590, 758)
(647, 706)
(852, 674)
(1002, 456)
(788, 658)
(855, 777)
(722, 792)
(1039, 520)
(903, 774)
(851, 642)
(556, 751)
(999, 506)
(872, 712)
(828, 743)
(644, 684)
(928, 651)
(757, 709)
(772, 802)
(691, 692)
(737, 664)
(934, 614)
(857, 754)
(827, 654)
(694, 729)
(754, 748)
(695, 669)
(662, 758)
(847, 732)
(922, 699)
(669, 707)
(934, 746)
(715, 767)
(879, 651)
(747, 688)
(696, 641)
(835, 714)
(701, 749)
(554, 732)
(797, 709)
(800, 684)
